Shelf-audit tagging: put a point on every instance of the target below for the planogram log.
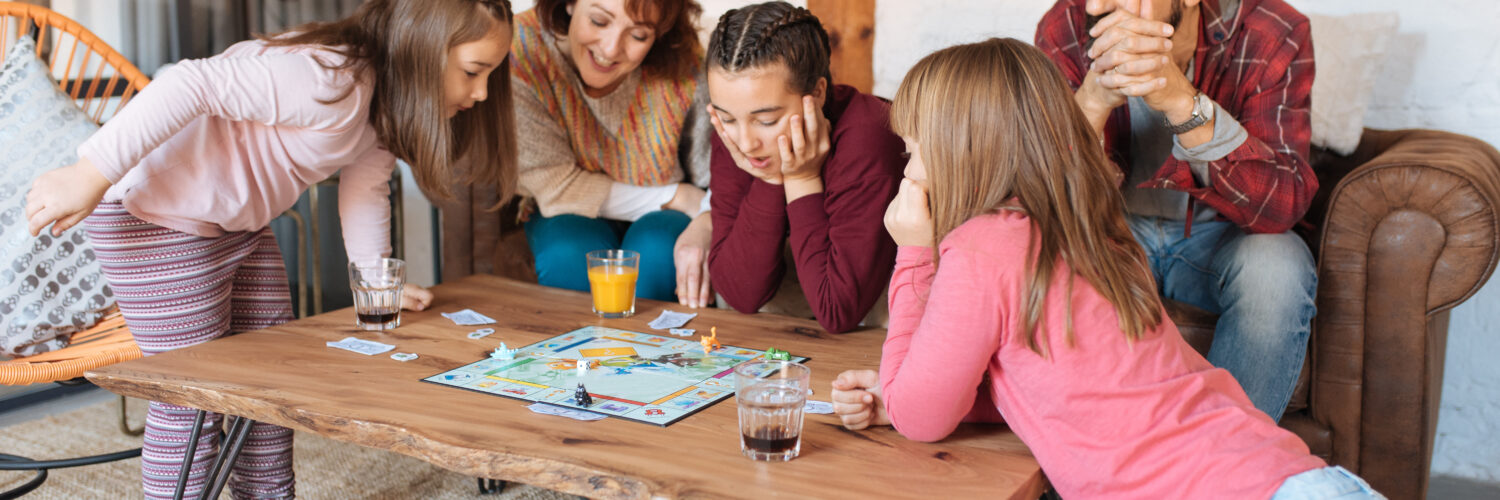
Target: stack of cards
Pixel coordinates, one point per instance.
(364, 347)
(469, 317)
(671, 319)
(818, 407)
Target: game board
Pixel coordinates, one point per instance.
(647, 378)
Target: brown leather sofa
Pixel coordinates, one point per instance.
(1404, 229)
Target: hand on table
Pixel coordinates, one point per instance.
(415, 298)
(691, 257)
(856, 399)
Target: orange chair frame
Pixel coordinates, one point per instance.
(94, 71)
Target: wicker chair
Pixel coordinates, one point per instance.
(93, 74)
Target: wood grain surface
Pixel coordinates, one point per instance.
(851, 39)
(286, 375)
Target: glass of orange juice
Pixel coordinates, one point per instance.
(612, 275)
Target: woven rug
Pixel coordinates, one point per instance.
(325, 468)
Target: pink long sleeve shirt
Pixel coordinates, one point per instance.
(1105, 418)
(228, 143)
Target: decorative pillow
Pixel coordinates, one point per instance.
(1348, 52)
(50, 287)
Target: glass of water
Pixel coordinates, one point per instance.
(377, 292)
(770, 395)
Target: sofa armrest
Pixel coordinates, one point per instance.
(1409, 233)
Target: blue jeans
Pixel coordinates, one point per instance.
(1326, 483)
(560, 243)
(1260, 285)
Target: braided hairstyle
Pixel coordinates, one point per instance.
(758, 35)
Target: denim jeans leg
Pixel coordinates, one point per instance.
(1153, 239)
(1266, 288)
(560, 245)
(654, 236)
(1327, 483)
(1260, 285)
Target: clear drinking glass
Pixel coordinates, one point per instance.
(377, 292)
(612, 275)
(770, 395)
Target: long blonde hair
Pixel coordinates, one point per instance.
(405, 43)
(996, 122)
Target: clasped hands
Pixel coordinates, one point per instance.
(1132, 57)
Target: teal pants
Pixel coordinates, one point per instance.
(560, 243)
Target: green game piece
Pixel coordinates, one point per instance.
(778, 354)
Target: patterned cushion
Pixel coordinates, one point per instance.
(49, 287)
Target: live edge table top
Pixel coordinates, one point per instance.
(286, 375)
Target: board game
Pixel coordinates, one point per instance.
(647, 378)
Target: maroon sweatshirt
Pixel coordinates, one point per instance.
(844, 256)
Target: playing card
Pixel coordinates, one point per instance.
(547, 409)
(671, 319)
(818, 407)
(682, 332)
(365, 347)
(469, 317)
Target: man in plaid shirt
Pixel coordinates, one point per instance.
(1204, 106)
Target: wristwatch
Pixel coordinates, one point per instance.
(1203, 111)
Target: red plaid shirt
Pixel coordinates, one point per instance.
(1255, 59)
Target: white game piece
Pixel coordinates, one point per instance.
(403, 356)
(481, 333)
(503, 353)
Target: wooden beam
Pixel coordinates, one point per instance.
(851, 36)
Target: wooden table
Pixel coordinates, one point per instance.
(286, 376)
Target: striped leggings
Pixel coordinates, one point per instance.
(176, 290)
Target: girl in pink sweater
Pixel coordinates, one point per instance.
(179, 188)
(1037, 308)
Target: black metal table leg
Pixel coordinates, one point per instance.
(188, 455)
(239, 434)
(213, 470)
(35, 482)
(491, 486)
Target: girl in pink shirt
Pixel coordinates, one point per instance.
(1037, 309)
(179, 188)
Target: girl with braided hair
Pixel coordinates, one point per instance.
(797, 160)
(179, 188)
(615, 152)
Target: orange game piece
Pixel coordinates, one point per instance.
(710, 342)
